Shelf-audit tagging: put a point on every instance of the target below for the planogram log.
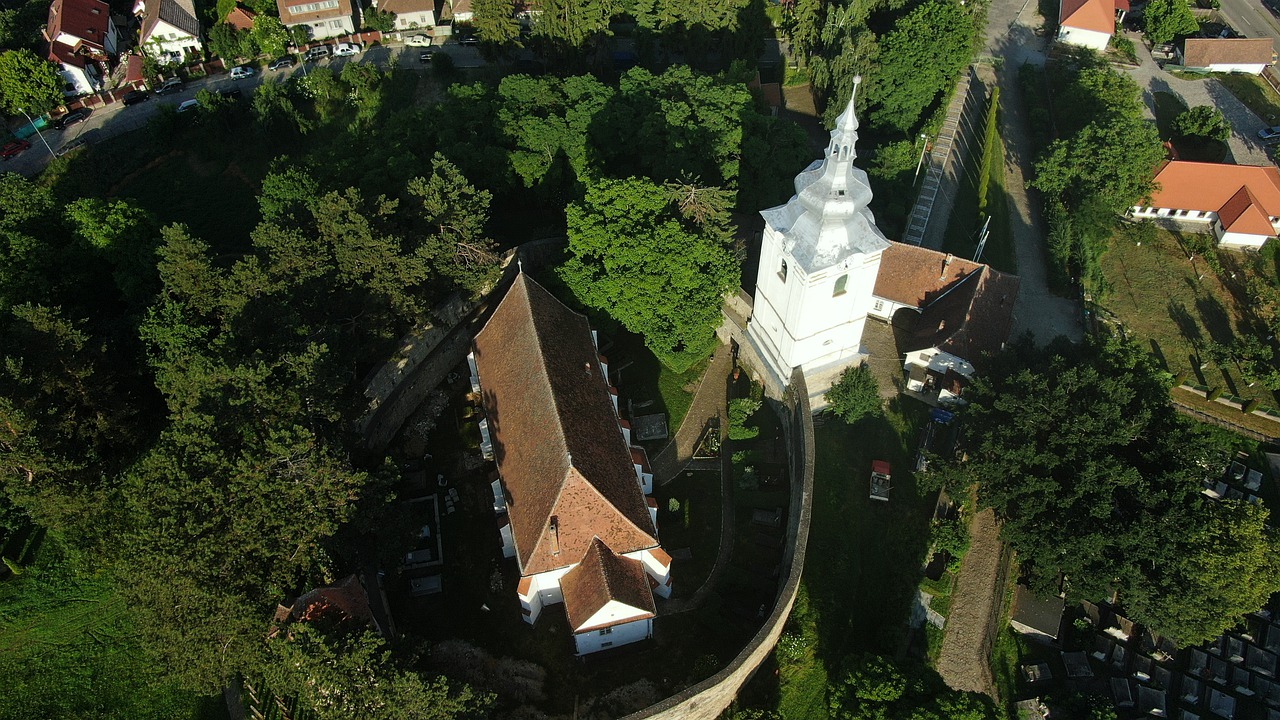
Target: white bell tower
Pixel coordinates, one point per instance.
(818, 264)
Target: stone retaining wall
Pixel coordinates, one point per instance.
(709, 698)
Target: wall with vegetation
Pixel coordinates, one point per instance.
(709, 698)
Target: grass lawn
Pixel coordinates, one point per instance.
(1177, 307)
(961, 237)
(1255, 93)
(695, 526)
(68, 649)
(864, 557)
(642, 379)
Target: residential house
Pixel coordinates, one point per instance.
(240, 18)
(411, 14)
(460, 10)
(1239, 203)
(345, 601)
(956, 312)
(323, 18)
(82, 38)
(170, 30)
(1248, 55)
(570, 488)
(1089, 23)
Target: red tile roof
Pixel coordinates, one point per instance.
(240, 18)
(85, 20)
(601, 577)
(1207, 52)
(915, 276)
(404, 7)
(178, 13)
(344, 9)
(59, 53)
(1095, 15)
(565, 465)
(1211, 187)
(344, 600)
(972, 318)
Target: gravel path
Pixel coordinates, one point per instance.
(1244, 144)
(708, 402)
(975, 608)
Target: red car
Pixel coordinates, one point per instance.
(13, 149)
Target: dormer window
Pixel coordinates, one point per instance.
(782, 271)
(841, 283)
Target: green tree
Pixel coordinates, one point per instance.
(634, 254)
(229, 43)
(570, 24)
(270, 35)
(28, 83)
(330, 674)
(380, 20)
(855, 395)
(125, 236)
(454, 213)
(495, 21)
(1167, 20)
(919, 60)
(273, 108)
(1202, 121)
(868, 687)
(1096, 478)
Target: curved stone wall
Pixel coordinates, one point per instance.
(709, 698)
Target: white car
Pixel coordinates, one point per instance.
(346, 49)
(417, 41)
(188, 105)
(242, 72)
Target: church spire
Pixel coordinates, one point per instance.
(845, 134)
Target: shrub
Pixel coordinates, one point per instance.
(1251, 405)
(855, 395)
(1180, 379)
(1214, 394)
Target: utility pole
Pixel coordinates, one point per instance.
(38, 133)
(924, 145)
(982, 239)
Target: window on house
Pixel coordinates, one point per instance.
(606, 644)
(841, 282)
(782, 271)
(879, 305)
(606, 631)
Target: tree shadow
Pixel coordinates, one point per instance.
(1230, 383)
(1196, 361)
(1159, 354)
(1215, 319)
(1187, 326)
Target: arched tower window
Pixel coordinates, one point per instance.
(841, 283)
(782, 271)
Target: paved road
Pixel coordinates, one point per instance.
(1251, 19)
(1245, 146)
(115, 119)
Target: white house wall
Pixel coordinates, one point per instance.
(615, 636)
(1252, 69)
(415, 20)
(328, 28)
(1084, 38)
(81, 82)
(612, 613)
(1242, 240)
(166, 38)
(656, 570)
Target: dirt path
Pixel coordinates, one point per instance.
(708, 402)
(975, 608)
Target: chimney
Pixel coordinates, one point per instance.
(555, 535)
(946, 264)
(586, 367)
(942, 325)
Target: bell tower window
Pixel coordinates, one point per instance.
(782, 271)
(841, 283)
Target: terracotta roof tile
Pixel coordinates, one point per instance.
(1095, 15)
(661, 556)
(178, 13)
(556, 438)
(603, 576)
(972, 319)
(915, 276)
(1242, 214)
(344, 9)
(345, 600)
(240, 18)
(1208, 187)
(1206, 52)
(404, 7)
(84, 20)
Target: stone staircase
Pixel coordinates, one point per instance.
(938, 167)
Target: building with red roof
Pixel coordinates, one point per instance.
(170, 30)
(1248, 55)
(240, 18)
(1089, 23)
(1239, 203)
(82, 38)
(322, 18)
(570, 495)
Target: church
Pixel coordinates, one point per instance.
(825, 268)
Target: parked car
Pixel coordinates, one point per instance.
(317, 52)
(469, 40)
(282, 63)
(170, 85)
(13, 149)
(241, 72)
(71, 118)
(417, 41)
(425, 55)
(346, 49)
(1271, 133)
(135, 96)
(230, 93)
(85, 139)
(188, 105)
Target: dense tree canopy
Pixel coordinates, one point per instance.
(918, 61)
(1097, 479)
(855, 395)
(870, 687)
(28, 83)
(1167, 20)
(1202, 121)
(658, 259)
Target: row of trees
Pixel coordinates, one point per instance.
(1097, 482)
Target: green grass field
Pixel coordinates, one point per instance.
(963, 230)
(864, 557)
(68, 649)
(1255, 93)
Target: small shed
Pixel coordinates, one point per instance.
(881, 480)
(1036, 618)
(1247, 55)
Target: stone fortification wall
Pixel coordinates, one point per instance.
(709, 698)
